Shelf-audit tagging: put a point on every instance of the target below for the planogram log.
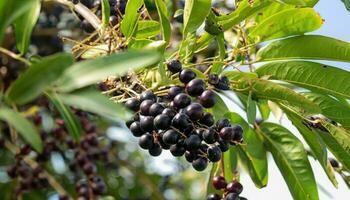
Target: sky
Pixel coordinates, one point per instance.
(337, 25)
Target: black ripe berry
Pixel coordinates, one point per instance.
(194, 111)
(213, 197)
(200, 163)
(234, 187)
(169, 112)
(155, 150)
(187, 75)
(146, 141)
(232, 196)
(223, 123)
(144, 107)
(113, 20)
(162, 122)
(334, 162)
(177, 149)
(214, 153)
(195, 87)
(148, 94)
(207, 99)
(213, 79)
(156, 109)
(238, 133)
(207, 119)
(224, 83)
(89, 168)
(224, 145)
(209, 136)
(171, 137)
(227, 133)
(133, 104)
(173, 91)
(219, 182)
(190, 156)
(146, 123)
(174, 66)
(75, 1)
(180, 121)
(193, 142)
(136, 130)
(182, 100)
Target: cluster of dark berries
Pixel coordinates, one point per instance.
(230, 190)
(117, 10)
(178, 121)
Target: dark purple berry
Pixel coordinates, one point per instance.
(113, 20)
(234, 187)
(227, 133)
(213, 197)
(194, 111)
(169, 112)
(219, 182)
(133, 104)
(207, 99)
(187, 75)
(174, 66)
(232, 196)
(224, 83)
(155, 150)
(156, 109)
(182, 100)
(146, 141)
(334, 162)
(190, 156)
(145, 106)
(193, 142)
(223, 145)
(195, 87)
(173, 91)
(200, 164)
(214, 153)
(89, 168)
(148, 94)
(162, 122)
(207, 119)
(223, 123)
(238, 133)
(136, 129)
(147, 123)
(213, 79)
(177, 149)
(180, 121)
(75, 1)
(171, 137)
(210, 136)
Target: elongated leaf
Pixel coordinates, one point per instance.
(147, 28)
(164, 19)
(195, 12)
(339, 134)
(273, 8)
(264, 109)
(92, 71)
(251, 109)
(347, 4)
(315, 143)
(132, 14)
(38, 78)
(105, 12)
(218, 65)
(291, 158)
(71, 122)
(331, 108)
(236, 76)
(24, 26)
(314, 76)
(187, 47)
(23, 126)
(203, 42)
(10, 11)
(253, 154)
(93, 101)
(244, 10)
(306, 47)
(274, 92)
(309, 3)
(290, 22)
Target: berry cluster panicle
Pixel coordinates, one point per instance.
(231, 190)
(178, 121)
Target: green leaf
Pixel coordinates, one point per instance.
(286, 23)
(23, 126)
(253, 154)
(264, 109)
(147, 29)
(203, 41)
(314, 76)
(106, 11)
(90, 72)
(251, 109)
(331, 108)
(195, 12)
(71, 122)
(268, 90)
(164, 20)
(309, 3)
(187, 48)
(347, 4)
(314, 141)
(291, 158)
(39, 77)
(236, 75)
(24, 25)
(10, 11)
(95, 102)
(132, 14)
(273, 8)
(218, 64)
(245, 10)
(306, 47)
(139, 44)
(336, 139)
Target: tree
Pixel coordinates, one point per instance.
(151, 64)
